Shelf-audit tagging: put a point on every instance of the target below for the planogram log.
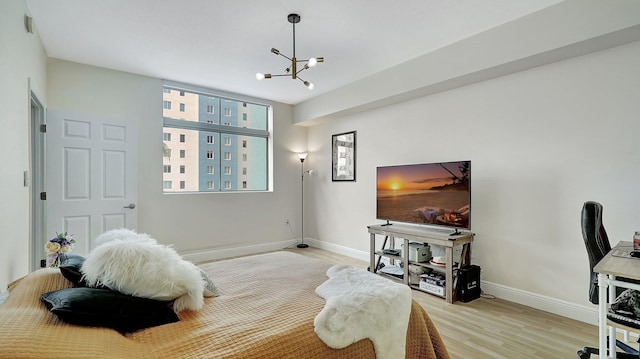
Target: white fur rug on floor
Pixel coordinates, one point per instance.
(360, 305)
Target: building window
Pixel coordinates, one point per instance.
(244, 184)
(166, 136)
(181, 93)
(182, 184)
(166, 105)
(167, 169)
(244, 171)
(209, 134)
(166, 184)
(166, 152)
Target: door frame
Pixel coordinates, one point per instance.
(37, 170)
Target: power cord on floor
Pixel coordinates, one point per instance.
(293, 235)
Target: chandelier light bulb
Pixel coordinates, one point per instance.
(259, 76)
(309, 85)
(312, 62)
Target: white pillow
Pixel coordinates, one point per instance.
(141, 267)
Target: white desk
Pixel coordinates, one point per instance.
(608, 269)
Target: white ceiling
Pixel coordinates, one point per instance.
(221, 44)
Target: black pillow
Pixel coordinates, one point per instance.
(70, 265)
(106, 308)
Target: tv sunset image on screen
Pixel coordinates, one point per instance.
(431, 193)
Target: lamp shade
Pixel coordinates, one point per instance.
(302, 156)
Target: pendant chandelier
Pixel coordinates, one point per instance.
(292, 70)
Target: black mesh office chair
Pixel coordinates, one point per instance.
(597, 243)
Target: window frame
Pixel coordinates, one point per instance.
(225, 129)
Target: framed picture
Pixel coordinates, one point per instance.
(343, 156)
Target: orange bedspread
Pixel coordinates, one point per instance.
(265, 309)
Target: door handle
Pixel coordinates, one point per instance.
(130, 206)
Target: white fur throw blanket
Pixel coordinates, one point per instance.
(363, 305)
(135, 264)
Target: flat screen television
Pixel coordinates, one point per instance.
(437, 194)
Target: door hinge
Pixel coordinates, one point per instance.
(43, 196)
(43, 128)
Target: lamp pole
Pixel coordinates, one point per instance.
(302, 244)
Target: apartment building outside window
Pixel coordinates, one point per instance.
(205, 124)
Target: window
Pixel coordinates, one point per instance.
(166, 90)
(166, 136)
(166, 184)
(182, 184)
(167, 168)
(166, 105)
(212, 124)
(166, 152)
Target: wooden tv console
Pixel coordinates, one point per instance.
(438, 237)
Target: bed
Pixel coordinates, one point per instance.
(266, 309)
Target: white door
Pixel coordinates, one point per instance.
(91, 176)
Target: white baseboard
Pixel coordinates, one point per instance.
(335, 248)
(587, 314)
(552, 305)
(215, 254)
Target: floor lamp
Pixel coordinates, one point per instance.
(302, 157)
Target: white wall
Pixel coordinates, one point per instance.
(21, 58)
(212, 222)
(541, 142)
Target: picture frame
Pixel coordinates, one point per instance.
(343, 156)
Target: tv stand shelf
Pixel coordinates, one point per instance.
(439, 237)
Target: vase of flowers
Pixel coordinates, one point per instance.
(57, 246)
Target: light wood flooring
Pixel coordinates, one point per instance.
(493, 328)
